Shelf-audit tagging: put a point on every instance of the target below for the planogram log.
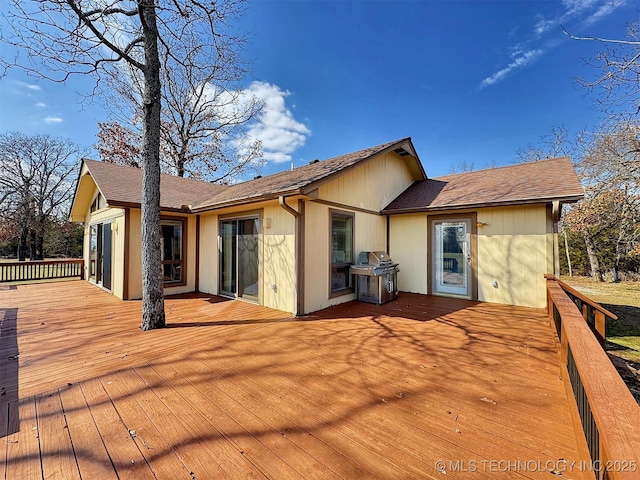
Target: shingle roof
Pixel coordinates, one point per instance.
(122, 186)
(294, 181)
(534, 182)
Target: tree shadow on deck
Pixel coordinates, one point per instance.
(8, 371)
(399, 373)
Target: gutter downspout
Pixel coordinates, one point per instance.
(556, 212)
(282, 200)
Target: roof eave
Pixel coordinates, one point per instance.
(508, 203)
(245, 201)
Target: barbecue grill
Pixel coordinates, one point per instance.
(377, 277)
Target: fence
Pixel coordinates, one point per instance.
(40, 270)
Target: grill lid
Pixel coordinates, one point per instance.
(376, 259)
(374, 263)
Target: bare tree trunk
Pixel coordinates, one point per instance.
(22, 246)
(32, 245)
(153, 315)
(566, 251)
(596, 273)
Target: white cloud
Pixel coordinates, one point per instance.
(543, 25)
(520, 62)
(51, 120)
(41, 105)
(31, 86)
(276, 128)
(279, 132)
(581, 12)
(601, 12)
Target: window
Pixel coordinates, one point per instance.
(341, 252)
(98, 203)
(172, 242)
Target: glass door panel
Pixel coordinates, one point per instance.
(452, 257)
(228, 257)
(239, 258)
(248, 258)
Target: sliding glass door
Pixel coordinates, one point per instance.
(100, 254)
(239, 258)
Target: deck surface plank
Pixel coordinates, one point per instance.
(162, 459)
(92, 457)
(125, 455)
(233, 390)
(56, 450)
(23, 446)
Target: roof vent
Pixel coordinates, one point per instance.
(314, 161)
(402, 152)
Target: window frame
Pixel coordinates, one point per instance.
(99, 202)
(181, 263)
(335, 267)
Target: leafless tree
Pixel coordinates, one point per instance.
(608, 163)
(553, 144)
(36, 185)
(618, 82)
(95, 37)
(204, 119)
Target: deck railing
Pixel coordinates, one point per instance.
(41, 270)
(608, 415)
(594, 314)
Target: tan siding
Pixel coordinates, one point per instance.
(85, 193)
(277, 255)
(369, 234)
(278, 259)
(209, 254)
(135, 254)
(371, 185)
(513, 250)
(115, 216)
(408, 247)
(316, 256)
(117, 239)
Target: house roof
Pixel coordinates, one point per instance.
(122, 186)
(535, 182)
(304, 179)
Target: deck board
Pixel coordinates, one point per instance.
(233, 390)
(90, 453)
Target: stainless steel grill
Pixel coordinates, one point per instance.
(377, 277)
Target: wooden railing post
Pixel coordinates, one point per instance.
(600, 327)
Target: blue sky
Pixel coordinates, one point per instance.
(469, 81)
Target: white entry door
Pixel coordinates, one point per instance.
(451, 250)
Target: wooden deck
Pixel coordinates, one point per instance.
(411, 389)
